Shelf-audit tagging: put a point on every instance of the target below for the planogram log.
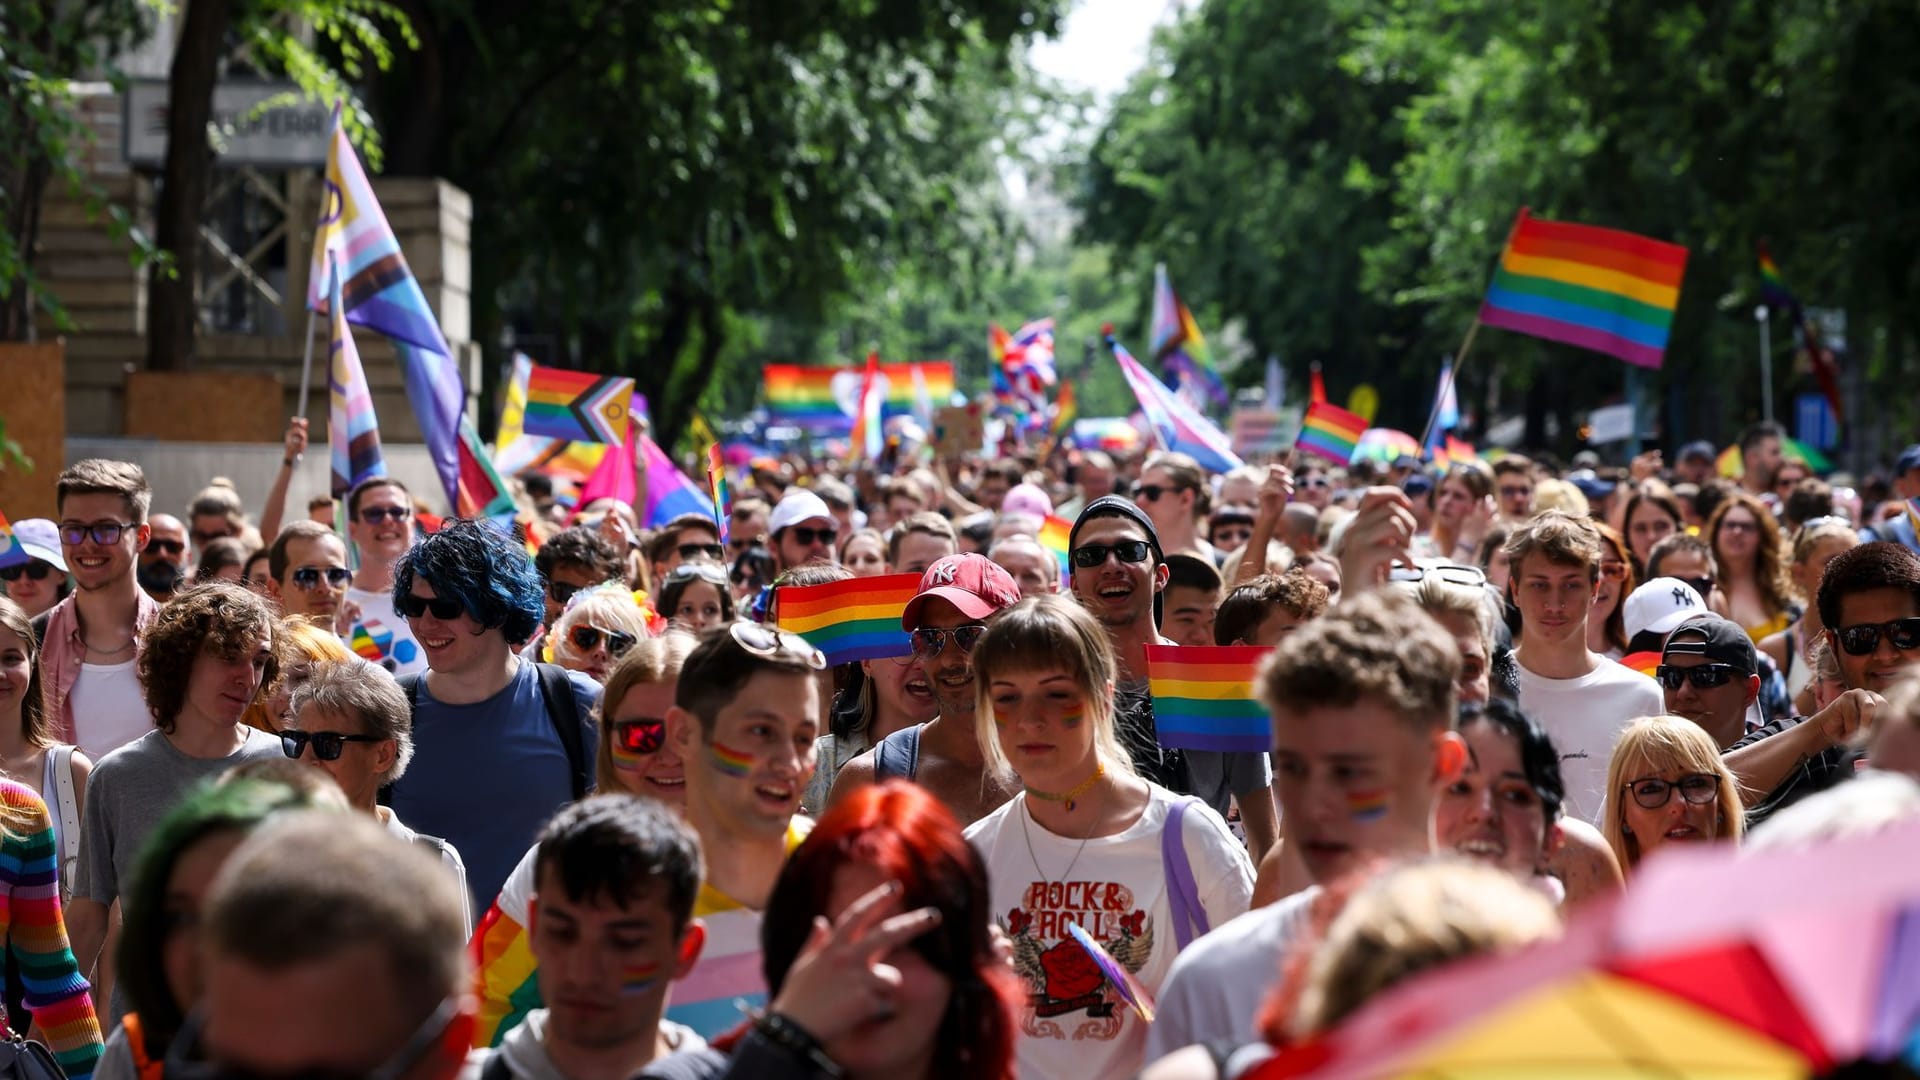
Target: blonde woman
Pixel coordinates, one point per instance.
(1086, 843)
(1667, 784)
(597, 629)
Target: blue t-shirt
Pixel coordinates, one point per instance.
(486, 777)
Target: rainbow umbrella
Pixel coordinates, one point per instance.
(1713, 963)
(1384, 444)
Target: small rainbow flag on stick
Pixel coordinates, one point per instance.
(1330, 432)
(717, 485)
(1203, 697)
(857, 619)
(1600, 289)
(1055, 536)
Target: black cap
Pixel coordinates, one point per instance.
(1700, 449)
(1715, 638)
(1117, 506)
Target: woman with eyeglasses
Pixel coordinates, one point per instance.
(596, 630)
(41, 581)
(1606, 623)
(633, 757)
(1816, 544)
(1746, 544)
(695, 597)
(1087, 843)
(1666, 784)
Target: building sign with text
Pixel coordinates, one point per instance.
(269, 124)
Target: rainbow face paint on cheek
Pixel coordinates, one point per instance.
(1367, 807)
(1073, 714)
(625, 760)
(639, 978)
(732, 762)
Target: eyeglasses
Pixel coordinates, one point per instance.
(164, 547)
(771, 644)
(186, 1057)
(707, 572)
(327, 745)
(102, 532)
(1516, 492)
(587, 638)
(1318, 482)
(308, 577)
(1129, 551)
(1731, 525)
(37, 570)
(1861, 639)
(808, 537)
(711, 551)
(928, 641)
(644, 735)
(374, 515)
(1654, 793)
(412, 607)
(1702, 676)
(1616, 571)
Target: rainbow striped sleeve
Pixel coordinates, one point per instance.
(56, 995)
(856, 619)
(503, 964)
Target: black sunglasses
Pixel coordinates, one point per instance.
(644, 735)
(37, 570)
(102, 532)
(1862, 639)
(308, 577)
(1701, 585)
(711, 551)
(157, 547)
(1702, 676)
(764, 641)
(1152, 492)
(587, 638)
(928, 641)
(374, 515)
(412, 607)
(1696, 788)
(327, 745)
(811, 536)
(1129, 551)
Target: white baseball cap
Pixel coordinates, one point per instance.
(795, 507)
(40, 538)
(1660, 605)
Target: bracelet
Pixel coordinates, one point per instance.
(797, 1041)
(290, 461)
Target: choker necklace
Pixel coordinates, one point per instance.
(1099, 770)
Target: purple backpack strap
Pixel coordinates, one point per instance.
(1183, 895)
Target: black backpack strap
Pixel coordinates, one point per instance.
(410, 686)
(563, 710)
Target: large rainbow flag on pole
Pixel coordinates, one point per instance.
(1601, 289)
(353, 431)
(1203, 697)
(856, 619)
(806, 397)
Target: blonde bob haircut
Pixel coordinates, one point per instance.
(1658, 744)
(651, 662)
(1048, 633)
(607, 607)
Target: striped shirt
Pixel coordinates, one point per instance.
(56, 995)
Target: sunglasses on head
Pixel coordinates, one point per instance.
(37, 570)
(771, 644)
(1129, 551)
(809, 537)
(163, 547)
(587, 638)
(707, 572)
(374, 515)
(327, 745)
(694, 551)
(412, 607)
(1696, 788)
(1861, 639)
(928, 641)
(644, 735)
(1702, 676)
(309, 577)
(102, 532)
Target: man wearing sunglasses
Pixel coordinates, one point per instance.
(572, 559)
(380, 524)
(163, 559)
(1711, 676)
(1870, 603)
(802, 530)
(307, 572)
(687, 538)
(958, 596)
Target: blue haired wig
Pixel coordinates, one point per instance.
(483, 568)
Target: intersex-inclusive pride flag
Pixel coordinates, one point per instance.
(1600, 289)
(353, 432)
(856, 619)
(1330, 432)
(515, 450)
(1180, 426)
(577, 405)
(1203, 697)
(821, 400)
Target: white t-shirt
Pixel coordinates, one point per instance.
(1585, 717)
(1072, 1023)
(382, 636)
(109, 711)
(1218, 985)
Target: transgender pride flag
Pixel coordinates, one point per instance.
(353, 432)
(1181, 427)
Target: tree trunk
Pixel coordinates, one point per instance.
(171, 307)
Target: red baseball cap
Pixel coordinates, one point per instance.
(971, 582)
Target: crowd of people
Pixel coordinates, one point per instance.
(423, 798)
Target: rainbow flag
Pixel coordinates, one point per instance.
(1179, 425)
(12, 554)
(1600, 289)
(868, 440)
(805, 397)
(669, 492)
(1452, 451)
(857, 619)
(1330, 432)
(1203, 697)
(1055, 536)
(1065, 411)
(1773, 288)
(515, 450)
(353, 432)
(1177, 345)
(1643, 662)
(577, 405)
(717, 487)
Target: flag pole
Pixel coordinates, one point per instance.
(306, 365)
(1761, 317)
(1453, 376)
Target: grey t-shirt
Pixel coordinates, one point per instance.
(130, 790)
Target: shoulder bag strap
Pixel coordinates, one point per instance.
(563, 711)
(67, 805)
(410, 686)
(1183, 895)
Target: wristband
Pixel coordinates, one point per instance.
(796, 1041)
(289, 462)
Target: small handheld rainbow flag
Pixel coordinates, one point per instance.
(856, 619)
(717, 485)
(1330, 432)
(1600, 289)
(1055, 536)
(12, 554)
(1644, 661)
(578, 405)
(1203, 697)
(1124, 983)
